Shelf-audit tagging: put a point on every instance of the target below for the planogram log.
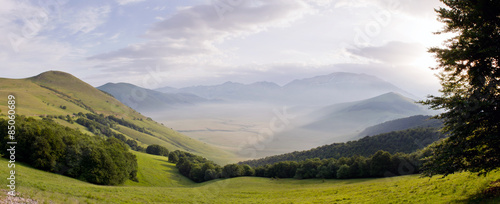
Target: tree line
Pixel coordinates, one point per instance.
(380, 164)
(46, 145)
(404, 141)
(101, 125)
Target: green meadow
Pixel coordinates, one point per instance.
(160, 182)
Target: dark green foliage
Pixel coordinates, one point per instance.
(157, 150)
(380, 163)
(195, 167)
(284, 169)
(470, 80)
(46, 145)
(248, 170)
(232, 170)
(405, 141)
(343, 172)
(308, 169)
(173, 157)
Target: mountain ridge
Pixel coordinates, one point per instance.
(320, 90)
(148, 100)
(58, 93)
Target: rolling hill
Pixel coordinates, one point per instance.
(160, 183)
(58, 93)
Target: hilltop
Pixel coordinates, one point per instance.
(57, 93)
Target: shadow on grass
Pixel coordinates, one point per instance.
(489, 195)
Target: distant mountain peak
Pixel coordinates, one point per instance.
(336, 78)
(265, 84)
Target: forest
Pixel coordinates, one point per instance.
(46, 145)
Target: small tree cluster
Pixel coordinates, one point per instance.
(157, 150)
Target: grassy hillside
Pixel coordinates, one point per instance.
(160, 183)
(59, 93)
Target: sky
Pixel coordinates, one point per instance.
(179, 43)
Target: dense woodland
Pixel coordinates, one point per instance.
(404, 141)
(46, 145)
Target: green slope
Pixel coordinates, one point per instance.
(160, 185)
(46, 93)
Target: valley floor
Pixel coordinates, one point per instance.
(160, 183)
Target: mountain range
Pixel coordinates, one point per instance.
(339, 122)
(320, 90)
(329, 108)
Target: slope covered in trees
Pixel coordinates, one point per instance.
(405, 141)
(48, 146)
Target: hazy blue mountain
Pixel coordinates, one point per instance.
(167, 89)
(320, 90)
(337, 88)
(417, 121)
(338, 123)
(360, 114)
(143, 99)
(231, 91)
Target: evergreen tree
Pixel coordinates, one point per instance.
(470, 79)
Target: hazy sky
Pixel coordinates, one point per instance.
(189, 42)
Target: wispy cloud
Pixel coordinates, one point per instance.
(125, 2)
(88, 19)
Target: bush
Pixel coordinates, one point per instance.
(157, 150)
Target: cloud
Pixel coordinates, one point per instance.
(88, 19)
(125, 2)
(393, 52)
(193, 33)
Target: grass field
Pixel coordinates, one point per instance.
(160, 183)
